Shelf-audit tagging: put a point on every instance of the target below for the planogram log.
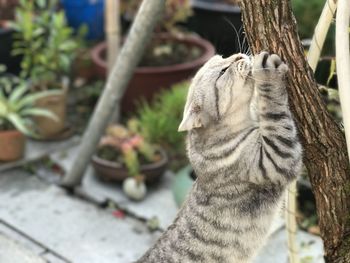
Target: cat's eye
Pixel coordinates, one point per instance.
(222, 72)
(238, 58)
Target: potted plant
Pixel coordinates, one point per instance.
(123, 153)
(169, 58)
(159, 120)
(7, 8)
(17, 109)
(48, 48)
(83, 67)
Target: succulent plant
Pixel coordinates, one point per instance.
(130, 145)
(17, 105)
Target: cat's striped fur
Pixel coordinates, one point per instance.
(243, 146)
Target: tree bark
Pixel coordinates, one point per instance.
(270, 25)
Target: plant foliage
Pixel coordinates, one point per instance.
(160, 119)
(125, 145)
(17, 105)
(307, 14)
(44, 40)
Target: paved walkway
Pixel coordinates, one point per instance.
(40, 222)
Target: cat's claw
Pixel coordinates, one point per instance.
(268, 66)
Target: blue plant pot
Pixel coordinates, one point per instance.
(182, 185)
(88, 12)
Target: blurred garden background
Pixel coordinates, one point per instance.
(54, 63)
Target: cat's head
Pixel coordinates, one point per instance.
(214, 89)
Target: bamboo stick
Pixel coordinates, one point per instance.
(320, 33)
(343, 64)
(112, 30)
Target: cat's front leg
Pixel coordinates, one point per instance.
(280, 149)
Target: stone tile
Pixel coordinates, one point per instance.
(66, 157)
(276, 251)
(80, 232)
(75, 230)
(20, 239)
(159, 201)
(51, 258)
(39, 149)
(12, 252)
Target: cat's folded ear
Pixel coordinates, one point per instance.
(191, 119)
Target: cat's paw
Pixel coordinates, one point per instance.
(268, 67)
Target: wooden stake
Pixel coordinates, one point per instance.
(343, 64)
(112, 30)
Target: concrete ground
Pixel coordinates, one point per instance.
(41, 222)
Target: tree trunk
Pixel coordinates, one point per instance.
(270, 25)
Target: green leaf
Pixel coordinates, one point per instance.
(2, 68)
(40, 3)
(31, 99)
(3, 108)
(19, 123)
(332, 71)
(68, 46)
(17, 93)
(39, 112)
(38, 31)
(2, 95)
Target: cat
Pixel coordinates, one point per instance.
(243, 146)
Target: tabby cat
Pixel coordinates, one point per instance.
(243, 146)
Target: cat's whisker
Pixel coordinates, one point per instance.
(247, 51)
(243, 44)
(237, 34)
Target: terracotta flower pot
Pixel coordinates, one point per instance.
(113, 171)
(49, 128)
(12, 145)
(83, 66)
(147, 81)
